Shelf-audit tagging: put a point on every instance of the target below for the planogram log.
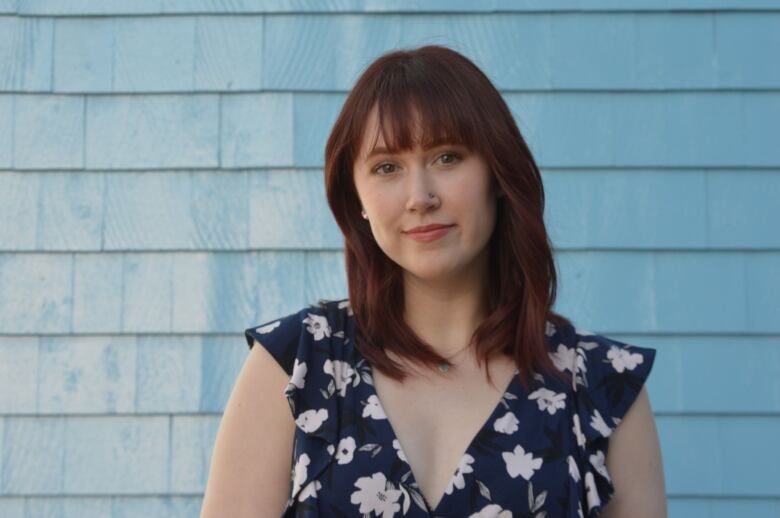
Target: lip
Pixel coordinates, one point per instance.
(426, 228)
(429, 233)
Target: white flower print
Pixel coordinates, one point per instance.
(564, 358)
(492, 511)
(301, 471)
(311, 420)
(623, 359)
(373, 408)
(548, 400)
(518, 462)
(593, 495)
(598, 424)
(506, 424)
(399, 450)
(598, 461)
(342, 374)
(581, 368)
(309, 489)
(268, 327)
(578, 431)
(317, 325)
(298, 378)
(549, 328)
(457, 479)
(375, 495)
(574, 470)
(346, 304)
(346, 449)
(582, 332)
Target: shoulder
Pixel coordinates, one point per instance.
(288, 337)
(607, 374)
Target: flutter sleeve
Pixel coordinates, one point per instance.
(280, 337)
(608, 379)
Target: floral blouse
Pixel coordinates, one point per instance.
(541, 453)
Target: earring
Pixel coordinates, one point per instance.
(363, 213)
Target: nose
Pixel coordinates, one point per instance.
(420, 186)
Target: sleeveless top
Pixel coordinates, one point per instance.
(541, 453)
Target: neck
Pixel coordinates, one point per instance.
(446, 314)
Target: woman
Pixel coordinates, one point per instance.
(444, 385)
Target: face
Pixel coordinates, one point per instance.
(393, 190)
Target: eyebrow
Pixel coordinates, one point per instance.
(384, 151)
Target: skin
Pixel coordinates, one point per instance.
(634, 462)
(443, 280)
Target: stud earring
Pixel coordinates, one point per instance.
(363, 213)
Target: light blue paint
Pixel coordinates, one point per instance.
(6, 130)
(156, 131)
(228, 52)
(167, 375)
(70, 211)
(257, 130)
(84, 54)
(143, 47)
(221, 361)
(161, 189)
(26, 54)
(48, 132)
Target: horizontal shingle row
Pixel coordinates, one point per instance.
(76, 506)
(682, 129)
(202, 292)
(153, 455)
(189, 374)
(94, 455)
(218, 210)
(160, 7)
(644, 50)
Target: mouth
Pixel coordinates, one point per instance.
(429, 233)
(427, 228)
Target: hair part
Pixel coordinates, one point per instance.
(432, 95)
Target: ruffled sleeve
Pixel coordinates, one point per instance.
(608, 377)
(300, 343)
(280, 337)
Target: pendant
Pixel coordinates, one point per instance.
(444, 366)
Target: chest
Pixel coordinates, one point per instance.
(435, 420)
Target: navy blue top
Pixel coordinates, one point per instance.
(541, 452)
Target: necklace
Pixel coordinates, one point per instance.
(444, 366)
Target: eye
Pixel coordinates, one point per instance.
(376, 170)
(454, 154)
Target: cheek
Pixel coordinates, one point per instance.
(473, 205)
(383, 215)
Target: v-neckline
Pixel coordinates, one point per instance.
(469, 448)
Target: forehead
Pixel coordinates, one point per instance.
(373, 136)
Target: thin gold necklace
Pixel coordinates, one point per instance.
(444, 366)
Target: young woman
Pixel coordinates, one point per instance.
(444, 385)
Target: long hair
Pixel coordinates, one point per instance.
(457, 104)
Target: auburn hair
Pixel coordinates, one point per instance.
(457, 104)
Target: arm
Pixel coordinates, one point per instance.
(252, 457)
(635, 465)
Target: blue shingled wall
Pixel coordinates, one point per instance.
(161, 190)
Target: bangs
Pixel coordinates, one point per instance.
(425, 111)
